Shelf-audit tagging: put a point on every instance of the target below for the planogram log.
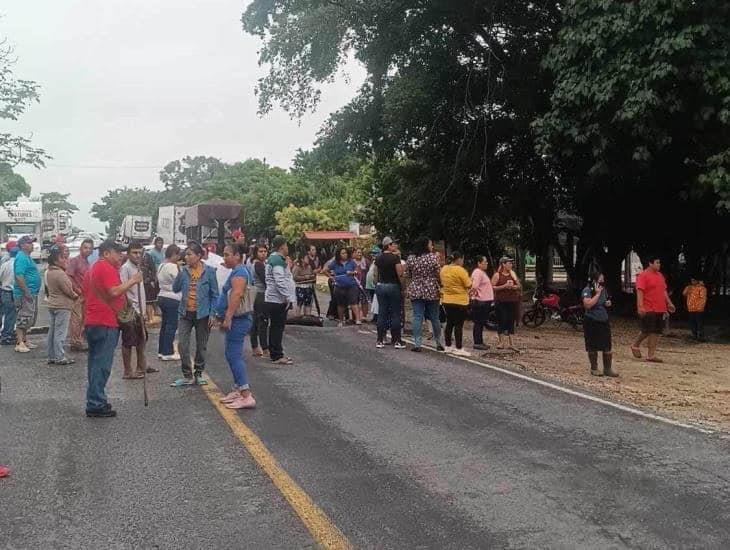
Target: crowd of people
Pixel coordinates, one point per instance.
(249, 291)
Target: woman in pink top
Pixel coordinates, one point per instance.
(482, 298)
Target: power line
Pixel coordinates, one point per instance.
(106, 166)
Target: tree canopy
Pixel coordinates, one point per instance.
(12, 185)
(16, 95)
(57, 202)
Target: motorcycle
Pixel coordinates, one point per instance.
(547, 304)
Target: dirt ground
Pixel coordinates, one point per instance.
(692, 385)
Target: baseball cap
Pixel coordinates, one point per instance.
(25, 239)
(10, 245)
(387, 241)
(505, 259)
(112, 246)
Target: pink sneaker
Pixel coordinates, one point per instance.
(242, 403)
(230, 397)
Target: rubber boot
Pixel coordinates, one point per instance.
(607, 371)
(593, 358)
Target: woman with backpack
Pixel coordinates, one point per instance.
(235, 310)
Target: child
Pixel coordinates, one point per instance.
(695, 294)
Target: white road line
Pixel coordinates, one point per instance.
(576, 393)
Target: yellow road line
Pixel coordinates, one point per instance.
(324, 532)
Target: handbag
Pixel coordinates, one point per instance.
(248, 299)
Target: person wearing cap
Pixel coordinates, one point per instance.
(104, 296)
(7, 303)
(280, 295)
(388, 276)
(507, 297)
(25, 293)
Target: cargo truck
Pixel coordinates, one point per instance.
(54, 224)
(20, 218)
(171, 225)
(135, 228)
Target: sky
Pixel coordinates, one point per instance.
(129, 85)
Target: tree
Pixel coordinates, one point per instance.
(445, 113)
(122, 202)
(15, 97)
(57, 202)
(639, 125)
(12, 185)
(190, 173)
(293, 221)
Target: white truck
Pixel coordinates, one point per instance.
(20, 218)
(136, 228)
(55, 223)
(171, 225)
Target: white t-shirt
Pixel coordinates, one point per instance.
(166, 275)
(221, 271)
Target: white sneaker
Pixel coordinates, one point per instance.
(30, 345)
(173, 357)
(22, 348)
(462, 353)
(379, 345)
(399, 345)
(449, 349)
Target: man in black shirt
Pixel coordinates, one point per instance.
(388, 274)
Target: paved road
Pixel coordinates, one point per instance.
(400, 450)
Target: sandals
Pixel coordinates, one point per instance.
(200, 381)
(654, 360)
(180, 382)
(284, 361)
(135, 376)
(64, 362)
(636, 352)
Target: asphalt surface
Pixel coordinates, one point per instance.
(400, 450)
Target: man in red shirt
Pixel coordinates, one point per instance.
(104, 295)
(77, 268)
(653, 303)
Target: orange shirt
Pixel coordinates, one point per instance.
(696, 298)
(195, 275)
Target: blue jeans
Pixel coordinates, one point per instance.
(234, 349)
(389, 305)
(168, 327)
(57, 332)
(7, 316)
(428, 309)
(102, 343)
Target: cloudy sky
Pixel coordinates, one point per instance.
(128, 85)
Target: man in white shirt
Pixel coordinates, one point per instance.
(216, 262)
(7, 305)
(134, 334)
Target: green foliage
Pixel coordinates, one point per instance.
(189, 173)
(639, 125)
(56, 202)
(293, 221)
(123, 202)
(444, 117)
(16, 95)
(12, 185)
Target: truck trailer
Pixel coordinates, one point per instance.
(171, 225)
(136, 228)
(21, 218)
